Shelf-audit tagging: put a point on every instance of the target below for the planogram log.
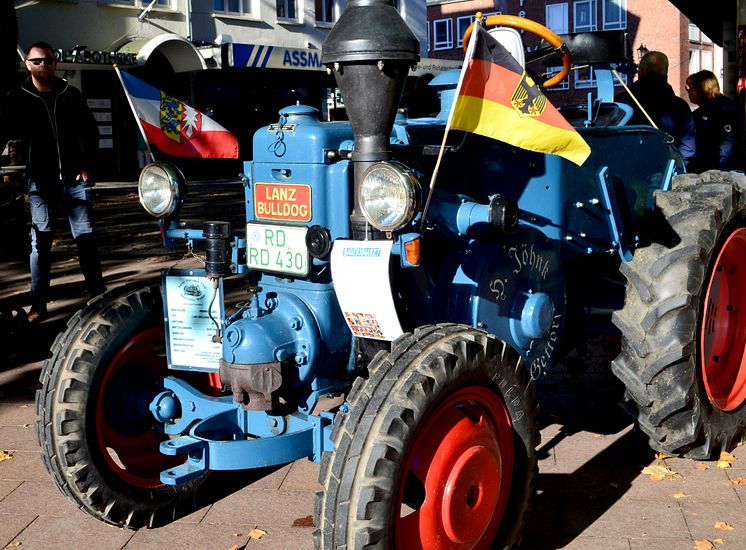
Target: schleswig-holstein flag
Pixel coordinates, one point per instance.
(174, 127)
(497, 99)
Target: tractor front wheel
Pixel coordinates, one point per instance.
(683, 324)
(437, 449)
(98, 438)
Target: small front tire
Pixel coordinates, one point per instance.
(437, 449)
(98, 439)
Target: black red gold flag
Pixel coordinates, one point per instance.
(499, 100)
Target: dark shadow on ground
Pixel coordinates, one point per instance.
(585, 400)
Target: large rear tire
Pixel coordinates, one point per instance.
(437, 449)
(684, 321)
(98, 439)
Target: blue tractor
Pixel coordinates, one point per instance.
(392, 329)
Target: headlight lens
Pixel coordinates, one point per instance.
(161, 189)
(388, 195)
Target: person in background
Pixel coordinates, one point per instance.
(669, 112)
(60, 140)
(716, 121)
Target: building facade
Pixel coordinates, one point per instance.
(650, 24)
(269, 53)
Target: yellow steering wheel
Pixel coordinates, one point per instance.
(533, 27)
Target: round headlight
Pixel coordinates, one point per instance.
(388, 195)
(161, 189)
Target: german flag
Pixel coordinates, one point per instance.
(499, 100)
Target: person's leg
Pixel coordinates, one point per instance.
(79, 213)
(40, 260)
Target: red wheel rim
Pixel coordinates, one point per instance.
(131, 381)
(461, 461)
(723, 333)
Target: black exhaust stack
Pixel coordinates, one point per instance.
(370, 50)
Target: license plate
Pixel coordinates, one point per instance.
(277, 248)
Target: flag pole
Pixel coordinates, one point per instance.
(464, 68)
(134, 112)
(624, 85)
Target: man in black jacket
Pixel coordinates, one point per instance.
(669, 112)
(60, 138)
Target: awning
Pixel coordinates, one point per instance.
(180, 53)
(709, 16)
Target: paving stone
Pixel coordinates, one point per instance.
(262, 508)
(16, 413)
(270, 478)
(195, 517)
(284, 539)
(650, 543)
(591, 482)
(7, 487)
(624, 518)
(189, 536)
(38, 498)
(592, 543)
(78, 531)
(26, 465)
(11, 525)
(701, 521)
(18, 438)
(303, 476)
(738, 488)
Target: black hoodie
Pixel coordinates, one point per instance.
(58, 131)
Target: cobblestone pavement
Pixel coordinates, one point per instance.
(591, 492)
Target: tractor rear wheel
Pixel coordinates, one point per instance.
(437, 449)
(99, 440)
(684, 321)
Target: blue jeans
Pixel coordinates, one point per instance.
(76, 200)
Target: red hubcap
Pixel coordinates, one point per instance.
(457, 475)
(723, 333)
(124, 428)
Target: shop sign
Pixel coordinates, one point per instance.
(97, 57)
(276, 57)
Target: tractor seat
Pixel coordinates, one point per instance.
(604, 114)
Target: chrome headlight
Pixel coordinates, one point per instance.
(388, 195)
(161, 188)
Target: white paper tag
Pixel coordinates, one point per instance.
(190, 329)
(360, 271)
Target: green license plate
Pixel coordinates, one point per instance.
(277, 248)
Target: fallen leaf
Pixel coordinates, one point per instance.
(680, 495)
(739, 481)
(5, 456)
(719, 541)
(257, 533)
(727, 457)
(15, 544)
(723, 464)
(724, 526)
(703, 545)
(657, 472)
(661, 456)
(702, 466)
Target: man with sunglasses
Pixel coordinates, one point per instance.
(60, 140)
